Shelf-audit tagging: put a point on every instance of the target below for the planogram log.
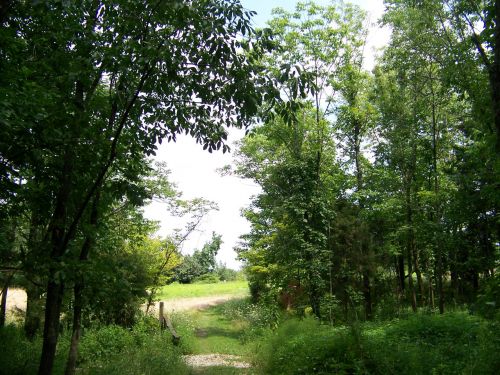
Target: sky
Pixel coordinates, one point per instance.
(194, 171)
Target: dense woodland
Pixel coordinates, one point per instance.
(379, 189)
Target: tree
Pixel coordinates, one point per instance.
(124, 83)
(201, 262)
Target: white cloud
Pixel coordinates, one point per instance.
(194, 170)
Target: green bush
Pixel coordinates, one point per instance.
(488, 301)
(208, 278)
(102, 342)
(17, 354)
(104, 350)
(156, 356)
(259, 317)
(454, 343)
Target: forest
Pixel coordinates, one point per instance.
(374, 241)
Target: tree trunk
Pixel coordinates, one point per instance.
(410, 247)
(55, 286)
(3, 308)
(55, 291)
(437, 231)
(367, 295)
(77, 326)
(411, 286)
(34, 311)
(401, 272)
(420, 285)
(78, 291)
(431, 294)
(495, 74)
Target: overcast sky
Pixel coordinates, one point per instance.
(194, 170)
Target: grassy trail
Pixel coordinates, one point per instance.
(216, 334)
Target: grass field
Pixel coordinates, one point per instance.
(173, 291)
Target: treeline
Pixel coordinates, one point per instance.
(202, 266)
(379, 189)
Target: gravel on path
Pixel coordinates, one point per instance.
(215, 359)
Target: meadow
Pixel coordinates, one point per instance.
(237, 288)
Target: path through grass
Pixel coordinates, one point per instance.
(214, 333)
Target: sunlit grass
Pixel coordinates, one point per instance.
(172, 291)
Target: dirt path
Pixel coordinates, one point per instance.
(193, 303)
(201, 363)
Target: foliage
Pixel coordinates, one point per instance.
(208, 278)
(200, 263)
(259, 317)
(422, 344)
(227, 274)
(103, 350)
(93, 99)
(488, 300)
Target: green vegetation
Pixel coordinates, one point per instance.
(378, 207)
(105, 350)
(454, 343)
(379, 191)
(175, 290)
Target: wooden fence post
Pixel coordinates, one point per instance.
(166, 323)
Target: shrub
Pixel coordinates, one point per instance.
(422, 344)
(488, 301)
(208, 278)
(259, 317)
(17, 354)
(156, 356)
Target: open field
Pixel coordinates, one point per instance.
(223, 289)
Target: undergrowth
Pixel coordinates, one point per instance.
(454, 343)
(103, 350)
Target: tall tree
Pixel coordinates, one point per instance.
(123, 83)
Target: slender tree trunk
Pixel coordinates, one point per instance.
(55, 286)
(55, 291)
(3, 307)
(495, 74)
(367, 295)
(410, 247)
(437, 232)
(77, 327)
(401, 272)
(34, 311)
(78, 290)
(431, 294)
(411, 286)
(420, 285)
